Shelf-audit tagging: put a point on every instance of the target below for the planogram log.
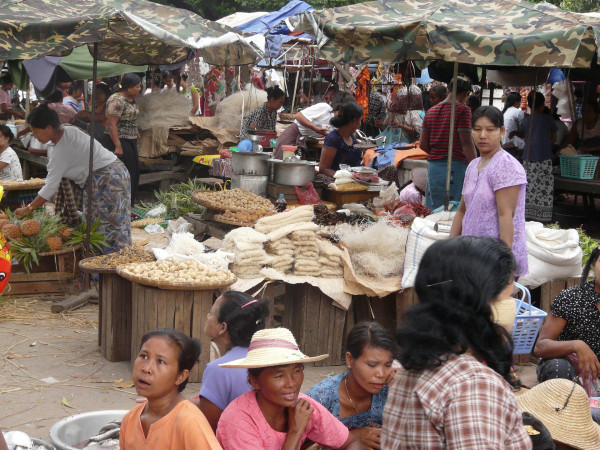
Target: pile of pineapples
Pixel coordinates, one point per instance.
(37, 233)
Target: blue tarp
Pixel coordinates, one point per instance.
(272, 26)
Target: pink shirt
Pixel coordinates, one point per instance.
(479, 193)
(4, 97)
(243, 426)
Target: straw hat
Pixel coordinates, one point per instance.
(572, 424)
(419, 177)
(272, 347)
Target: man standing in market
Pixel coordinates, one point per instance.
(437, 93)
(6, 109)
(434, 141)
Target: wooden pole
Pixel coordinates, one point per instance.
(312, 73)
(451, 137)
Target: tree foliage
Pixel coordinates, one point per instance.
(580, 6)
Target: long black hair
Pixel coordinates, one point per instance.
(243, 315)
(189, 348)
(457, 280)
(348, 112)
(6, 132)
(129, 80)
(371, 334)
(511, 99)
(588, 265)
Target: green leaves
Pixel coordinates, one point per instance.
(97, 240)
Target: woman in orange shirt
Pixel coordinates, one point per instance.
(167, 420)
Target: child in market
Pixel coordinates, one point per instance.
(167, 420)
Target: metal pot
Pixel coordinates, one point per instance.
(250, 163)
(293, 173)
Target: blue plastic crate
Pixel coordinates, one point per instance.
(581, 167)
(527, 324)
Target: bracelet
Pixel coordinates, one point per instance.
(29, 208)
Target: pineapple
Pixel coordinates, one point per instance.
(54, 243)
(4, 222)
(3, 216)
(11, 231)
(30, 227)
(65, 233)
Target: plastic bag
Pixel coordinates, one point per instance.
(225, 153)
(592, 387)
(154, 229)
(159, 211)
(178, 226)
(390, 197)
(309, 196)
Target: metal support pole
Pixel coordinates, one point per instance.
(526, 162)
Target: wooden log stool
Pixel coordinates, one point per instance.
(183, 310)
(316, 323)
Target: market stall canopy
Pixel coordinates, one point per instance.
(128, 31)
(495, 32)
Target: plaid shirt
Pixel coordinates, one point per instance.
(461, 405)
(261, 118)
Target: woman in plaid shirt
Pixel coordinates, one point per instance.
(452, 391)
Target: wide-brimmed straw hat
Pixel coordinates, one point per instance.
(419, 177)
(272, 347)
(564, 408)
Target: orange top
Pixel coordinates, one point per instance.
(185, 427)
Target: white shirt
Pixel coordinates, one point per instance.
(319, 115)
(512, 119)
(13, 171)
(70, 159)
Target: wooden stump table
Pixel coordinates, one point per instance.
(183, 310)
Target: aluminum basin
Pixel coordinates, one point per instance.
(80, 427)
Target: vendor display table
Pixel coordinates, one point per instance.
(316, 323)
(183, 310)
(578, 186)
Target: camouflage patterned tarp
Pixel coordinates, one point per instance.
(128, 31)
(491, 32)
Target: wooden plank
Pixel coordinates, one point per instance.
(36, 287)
(100, 296)
(339, 337)
(573, 281)
(42, 276)
(323, 333)
(74, 301)
(136, 300)
(203, 303)
(404, 299)
(122, 289)
(314, 298)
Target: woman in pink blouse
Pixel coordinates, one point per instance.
(493, 196)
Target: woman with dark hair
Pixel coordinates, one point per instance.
(538, 153)
(10, 167)
(493, 196)
(70, 159)
(358, 396)
(231, 322)
(264, 118)
(121, 131)
(513, 116)
(338, 147)
(572, 328)
(452, 390)
(275, 415)
(166, 420)
(66, 113)
(405, 125)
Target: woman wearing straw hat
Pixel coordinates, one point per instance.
(274, 415)
(452, 390)
(563, 407)
(569, 341)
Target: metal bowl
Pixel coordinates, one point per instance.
(293, 173)
(75, 429)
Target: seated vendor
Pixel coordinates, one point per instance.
(338, 147)
(414, 192)
(589, 140)
(312, 122)
(264, 117)
(571, 330)
(6, 109)
(10, 167)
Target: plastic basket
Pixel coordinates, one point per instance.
(527, 322)
(581, 167)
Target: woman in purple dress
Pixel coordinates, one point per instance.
(493, 196)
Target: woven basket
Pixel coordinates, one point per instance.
(215, 205)
(83, 265)
(236, 223)
(33, 184)
(173, 285)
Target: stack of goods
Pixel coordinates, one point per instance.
(280, 254)
(233, 200)
(330, 260)
(126, 255)
(248, 247)
(344, 181)
(306, 253)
